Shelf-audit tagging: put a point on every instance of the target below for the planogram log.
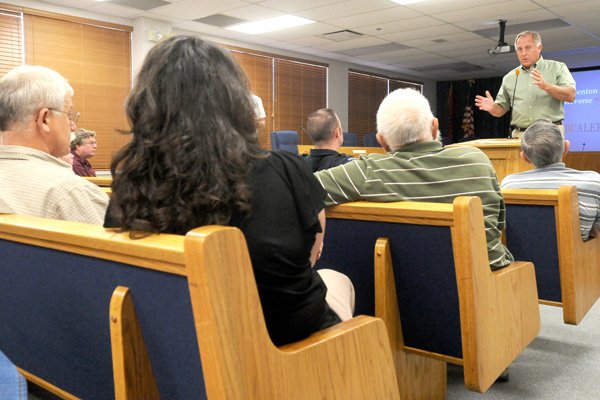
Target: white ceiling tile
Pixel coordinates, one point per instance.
(438, 31)
(72, 3)
(345, 8)
(300, 31)
(116, 10)
(253, 12)
(518, 17)
(399, 26)
(491, 11)
(391, 15)
(557, 3)
(441, 6)
(292, 6)
(193, 9)
(310, 41)
(352, 44)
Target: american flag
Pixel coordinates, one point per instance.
(468, 123)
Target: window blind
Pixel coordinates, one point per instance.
(11, 40)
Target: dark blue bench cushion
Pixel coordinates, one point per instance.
(424, 273)
(531, 236)
(54, 313)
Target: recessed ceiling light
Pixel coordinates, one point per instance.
(405, 2)
(270, 24)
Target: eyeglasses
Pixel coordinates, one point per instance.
(72, 115)
(91, 142)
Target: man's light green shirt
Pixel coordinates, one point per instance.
(530, 102)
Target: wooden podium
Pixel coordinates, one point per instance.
(503, 153)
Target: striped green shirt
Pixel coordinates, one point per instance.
(424, 171)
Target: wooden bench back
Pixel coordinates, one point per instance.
(350, 360)
(543, 226)
(63, 320)
(58, 279)
(424, 276)
(451, 305)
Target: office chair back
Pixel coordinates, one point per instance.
(285, 140)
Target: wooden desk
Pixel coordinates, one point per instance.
(503, 153)
(583, 161)
(353, 151)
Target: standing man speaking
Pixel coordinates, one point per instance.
(537, 89)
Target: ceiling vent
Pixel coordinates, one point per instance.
(220, 20)
(340, 36)
(141, 4)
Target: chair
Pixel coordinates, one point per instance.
(542, 225)
(285, 140)
(370, 140)
(350, 140)
(466, 315)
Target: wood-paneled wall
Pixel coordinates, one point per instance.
(584, 161)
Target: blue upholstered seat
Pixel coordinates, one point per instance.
(370, 140)
(531, 236)
(64, 299)
(440, 331)
(285, 140)
(350, 139)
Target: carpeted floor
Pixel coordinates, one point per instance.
(562, 363)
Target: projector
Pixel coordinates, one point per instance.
(501, 49)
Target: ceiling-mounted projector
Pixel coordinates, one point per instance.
(502, 47)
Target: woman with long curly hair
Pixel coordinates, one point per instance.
(194, 160)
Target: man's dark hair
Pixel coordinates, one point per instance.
(321, 124)
(543, 143)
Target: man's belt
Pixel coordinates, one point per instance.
(519, 129)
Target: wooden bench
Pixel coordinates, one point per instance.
(452, 307)
(351, 360)
(58, 295)
(58, 279)
(543, 227)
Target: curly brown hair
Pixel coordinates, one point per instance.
(194, 141)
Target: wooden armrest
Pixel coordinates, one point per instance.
(336, 332)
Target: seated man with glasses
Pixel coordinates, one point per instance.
(83, 146)
(36, 119)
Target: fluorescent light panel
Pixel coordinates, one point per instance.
(270, 24)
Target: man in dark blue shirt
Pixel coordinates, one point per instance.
(325, 129)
